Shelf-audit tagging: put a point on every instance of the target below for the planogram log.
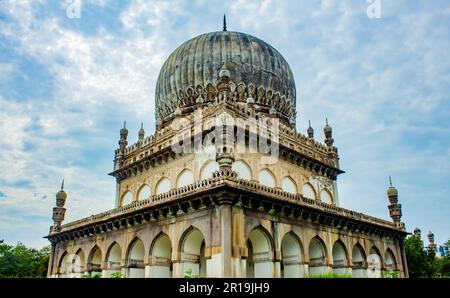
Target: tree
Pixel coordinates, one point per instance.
(421, 263)
(21, 261)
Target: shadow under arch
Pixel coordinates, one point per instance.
(260, 256)
(292, 255)
(161, 256)
(192, 252)
(318, 256)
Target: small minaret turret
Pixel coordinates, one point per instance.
(328, 134)
(431, 245)
(141, 133)
(310, 131)
(395, 209)
(123, 142)
(59, 211)
(417, 233)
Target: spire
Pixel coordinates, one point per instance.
(62, 184)
(328, 134)
(310, 130)
(141, 133)
(390, 180)
(224, 23)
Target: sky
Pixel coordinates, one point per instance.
(69, 77)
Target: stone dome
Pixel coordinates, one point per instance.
(197, 63)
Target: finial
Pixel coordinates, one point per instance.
(62, 184)
(309, 123)
(142, 125)
(390, 180)
(224, 23)
(326, 120)
(125, 124)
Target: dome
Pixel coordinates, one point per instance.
(250, 61)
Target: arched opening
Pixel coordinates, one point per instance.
(78, 262)
(64, 265)
(340, 262)
(208, 169)
(186, 177)
(267, 178)
(326, 197)
(135, 262)
(359, 261)
(291, 254)
(317, 257)
(389, 260)
(95, 261)
(308, 191)
(193, 253)
(144, 193)
(259, 260)
(242, 169)
(374, 263)
(113, 259)
(127, 198)
(161, 257)
(288, 184)
(164, 185)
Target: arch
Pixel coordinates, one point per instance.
(186, 177)
(135, 259)
(242, 169)
(340, 258)
(317, 256)
(326, 197)
(164, 185)
(308, 191)
(192, 247)
(260, 253)
(358, 261)
(113, 258)
(79, 261)
(267, 178)
(161, 256)
(127, 198)
(389, 260)
(374, 263)
(144, 192)
(95, 260)
(291, 256)
(288, 184)
(208, 169)
(64, 265)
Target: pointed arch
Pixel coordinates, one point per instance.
(186, 177)
(208, 168)
(114, 258)
(95, 260)
(192, 248)
(389, 260)
(267, 178)
(164, 185)
(326, 196)
(260, 253)
(161, 256)
(135, 258)
(79, 261)
(340, 258)
(64, 265)
(291, 256)
(374, 263)
(358, 261)
(144, 192)
(317, 256)
(127, 198)
(308, 191)
(242, 169)
(288, 184)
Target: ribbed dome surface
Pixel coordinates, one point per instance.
(198, 62)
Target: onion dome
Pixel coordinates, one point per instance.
(392, 192)
(124, 131)
(310, 131)
(141, 132)
(253, 66)
(61, 196)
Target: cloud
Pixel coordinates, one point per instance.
(382, 83)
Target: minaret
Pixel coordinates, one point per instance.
(310, 131)
(59, 211)
(123, 142)
(417, 233)
(328, 134)
(141, 134)
(395, 209)
(431, 245)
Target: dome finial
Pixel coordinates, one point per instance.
(62, 184)
(390, 180)
(224, 23)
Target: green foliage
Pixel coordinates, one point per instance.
(391, 274)
(188, 274)
(117, 275)
(421, 263)
(21, 261)
(443, 267)
(97, 275)
(330, 275)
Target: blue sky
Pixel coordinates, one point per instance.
(67, 84)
